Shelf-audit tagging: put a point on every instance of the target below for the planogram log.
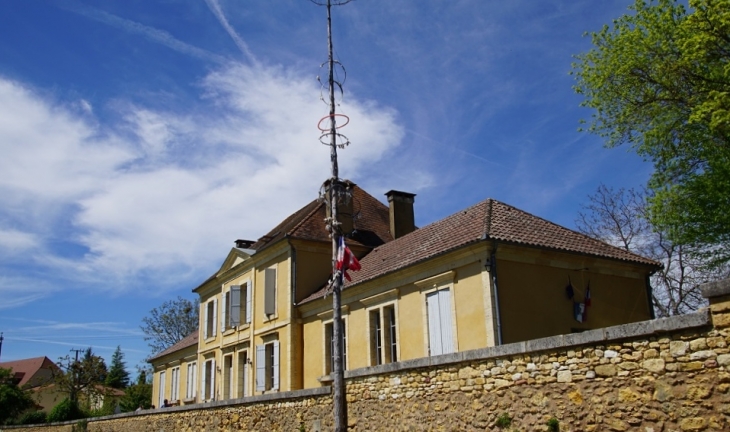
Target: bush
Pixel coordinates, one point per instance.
(553, 425)
(34, 417)
(65, 411)
(503, 421)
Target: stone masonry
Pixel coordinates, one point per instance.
(663, 375)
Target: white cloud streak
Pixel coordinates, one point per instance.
(151, 33)
(164, 202)
(215, 7)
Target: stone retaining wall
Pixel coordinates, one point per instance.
(655, 376)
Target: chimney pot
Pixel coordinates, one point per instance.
(244, 244)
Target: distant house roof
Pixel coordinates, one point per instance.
(487, 220)
(186, 342)
(371, 223)
(27, 369)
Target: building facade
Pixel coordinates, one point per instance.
(487, 275)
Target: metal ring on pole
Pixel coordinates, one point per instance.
(344, 141)
(332, 116)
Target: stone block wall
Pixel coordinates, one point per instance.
(664, 375)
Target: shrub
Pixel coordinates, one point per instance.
(553, 425)
(34, 417)
(503, 421)
(64, 411)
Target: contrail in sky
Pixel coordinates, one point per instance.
(215, 7)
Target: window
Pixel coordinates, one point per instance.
(228, 377)
(267, 366)
(226, 312)
(383, 340)
(190, 387)
(175, 383)
(238, 300)
(210, 314)
(243, 371)
(161, 396)
(329, 350)
(270, 291)
(208, 380)
(440, 334)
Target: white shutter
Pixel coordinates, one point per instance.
(235, 306)
(212, 379)
(215, 316)
(246, 391)
(203, 387)
(447, 334)
(434, 324)
(161, 396)
(205, 321)
(260, 367)
(275, 385)
(193, 390)
(249, 292)
(224, 324)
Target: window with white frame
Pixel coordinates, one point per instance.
(208, 382)
(175, 383)
(267, 366)
(237, 304)
(210, 313)
(191, 384)
(270, 291)
(383, 335)
(228, 377)
(329, 347)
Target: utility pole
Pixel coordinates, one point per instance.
(74, 373)
(1, 343)
(333, 193)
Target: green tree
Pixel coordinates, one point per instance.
(169, 323)
(658, 80)
(137, 395)
(77, 378)
(118, 377)
(13, 400)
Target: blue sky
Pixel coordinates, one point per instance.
(139, 139)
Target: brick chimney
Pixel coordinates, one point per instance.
(344, 207)
(402, 220)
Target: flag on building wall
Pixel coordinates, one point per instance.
(346, 260)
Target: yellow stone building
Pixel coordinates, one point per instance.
(484, 276)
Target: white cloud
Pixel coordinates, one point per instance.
(168, 199)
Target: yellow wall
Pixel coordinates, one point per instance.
(533, 301)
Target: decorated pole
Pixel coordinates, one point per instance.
(334, 194)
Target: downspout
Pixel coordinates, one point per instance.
(495, 293)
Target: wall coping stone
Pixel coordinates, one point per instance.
(700, 318)
(716, 288)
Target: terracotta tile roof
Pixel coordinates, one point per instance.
(372, 223)
(26, 369)
(487, 220)
(186, 342)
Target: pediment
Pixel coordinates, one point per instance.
(235, 257)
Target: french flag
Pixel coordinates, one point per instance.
(346, 260)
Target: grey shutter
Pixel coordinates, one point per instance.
(249, 293)
(270, 291)
(235, 306)
(275, 385)
(224, 312)
(260, 367)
